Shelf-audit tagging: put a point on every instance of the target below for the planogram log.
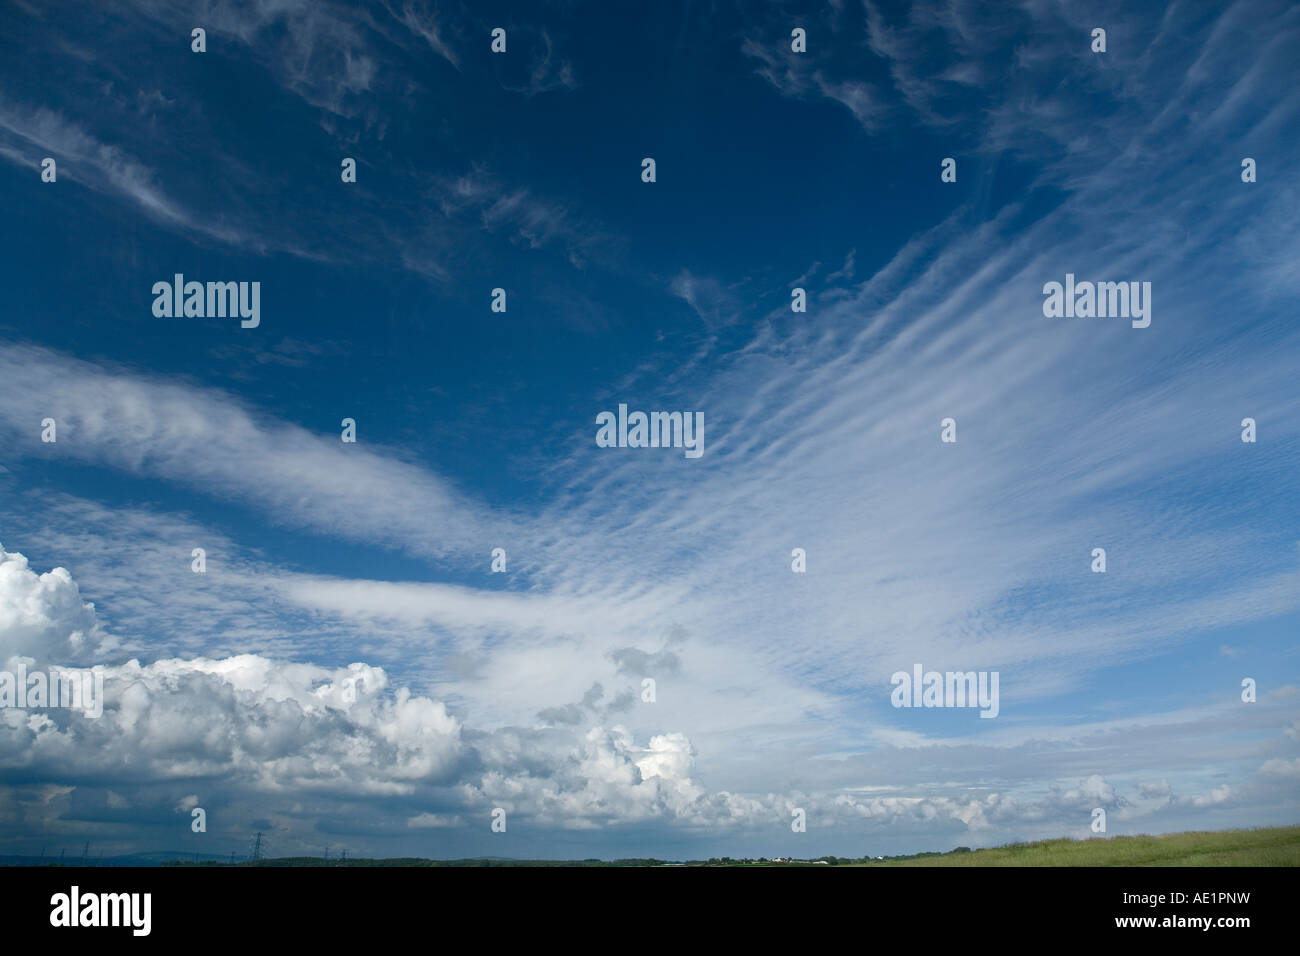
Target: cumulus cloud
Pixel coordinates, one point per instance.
(1154, 790)
(286, 728)
(273, 725)
(287, 731)
(43, 617)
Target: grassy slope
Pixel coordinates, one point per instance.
(1276, 846)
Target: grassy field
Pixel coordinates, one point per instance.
(1276, 846)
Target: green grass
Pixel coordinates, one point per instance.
(1274, 846)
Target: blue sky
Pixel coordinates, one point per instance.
(370, 562)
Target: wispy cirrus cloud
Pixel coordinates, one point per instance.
(547, 71)
(523, 690)
(102, 167)
(796, 75)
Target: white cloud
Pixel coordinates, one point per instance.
(209, 440)
(287, 732)
(101, 166)
(43, 616)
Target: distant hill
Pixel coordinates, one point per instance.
(155, 858)
(1273, 846)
